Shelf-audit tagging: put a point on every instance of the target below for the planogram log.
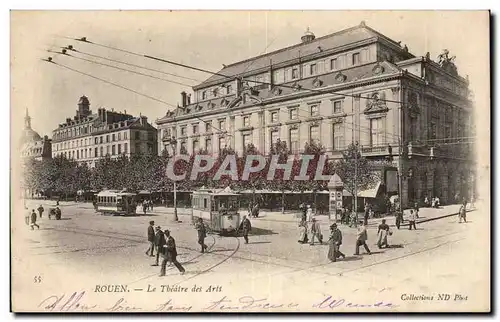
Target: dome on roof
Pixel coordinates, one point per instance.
(29, 136)
(84, 100)
(308, 36)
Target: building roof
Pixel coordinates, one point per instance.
(305, 86)
(335, 40)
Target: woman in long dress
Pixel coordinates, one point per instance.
(303, 232)
(334, 243)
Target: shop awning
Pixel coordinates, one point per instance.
(370, 193)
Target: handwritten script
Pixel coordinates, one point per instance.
(75, 302)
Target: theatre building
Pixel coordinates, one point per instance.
(354, 85)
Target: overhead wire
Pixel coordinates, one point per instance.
(324, 91)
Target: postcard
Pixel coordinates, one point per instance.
(250, 161)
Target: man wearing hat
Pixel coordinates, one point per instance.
(170, 254)
(151, 239)
(202, 234)
(335, 242)
(159, 243)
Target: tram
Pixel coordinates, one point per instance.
(219, 209)
(115, 202)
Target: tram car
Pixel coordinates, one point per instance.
(219, 209)
(114, 202)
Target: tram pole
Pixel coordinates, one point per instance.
(176, 218)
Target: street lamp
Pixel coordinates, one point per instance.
(174, 144)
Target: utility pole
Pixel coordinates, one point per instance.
(400, 174)
(174, 143)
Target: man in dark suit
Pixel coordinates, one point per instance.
(202, 234)
(170, 254)
(151, 239)
(159, 243)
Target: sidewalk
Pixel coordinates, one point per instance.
(425, 214)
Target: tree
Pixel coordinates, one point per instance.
(355, 170)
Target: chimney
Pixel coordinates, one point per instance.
(184, 98)
(189, 99)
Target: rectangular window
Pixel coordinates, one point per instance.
(96, 152)
(107, 149)
(138, 148)
(125, 148)
(355, 58)
(246, 141)
(229, 89)
(208, 126)
(413, 130)
(208, 144)
(334, 64)
(314, 109)
(119, 136)
(78, 154)
(107, 138)
(294, 140)
(125, 135)
(447, 132)
(313, 69)
(293, 113)
(222, 125)
(295, 73)
(113, 137)
(433, 131)
(113, 150)
(246, 121)
(222, 143)
(102, 151)
(85, 153)
(337, 107)
(275, 135)
(203, 95)
(119, 149)
(274, 117)
(377, 132)
(137, 135)
(196, 146)
(314, 133)
(195, 129)
(338, 136)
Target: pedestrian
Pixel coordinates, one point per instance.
(382, 233)
(362, 237)
(316, 232)
(202, 234)
(144, 206)
(159, 243)
(151, 239)
(303, 232)
(33, 220)
(309, 213)
(412, 218)
(246, 227)
(304, 212)
(40, 211)
(354, 219)
(256, 210)
(334, 243)
(170, 254)
(399, 218)
(462, 214)
(416, 208)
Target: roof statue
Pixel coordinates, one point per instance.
(446, 62)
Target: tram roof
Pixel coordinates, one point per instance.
(114, 193)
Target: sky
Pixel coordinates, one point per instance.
(206, 40)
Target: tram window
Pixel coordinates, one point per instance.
(205, 203)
